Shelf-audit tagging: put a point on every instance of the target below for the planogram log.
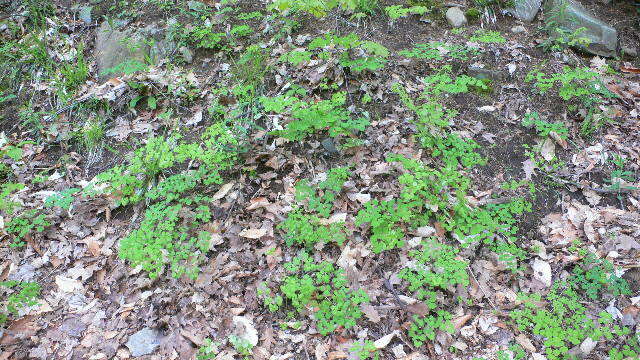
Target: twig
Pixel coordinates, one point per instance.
(586, 187)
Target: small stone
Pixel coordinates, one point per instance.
(85, 14)
(144, 342)
(478, 71)
(518, 29)
(187, 55)
(456, 17)
(575, 353)
(629, 51)
(330, 146)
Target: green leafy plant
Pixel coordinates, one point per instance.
(564, 323)
(396, 12)
(424, 328)
(308, 230)
(24, 225)
(22, 294)
(437, 50)
(62, 199)
(595, 277)
(365, 350)
(320, 8)
(208, 350)
(562, 37)
(172, 229)
(273, 303)
(322, 197)
(311, 117)
(487, 36)
(581, 84)
(322, 287)
(544, 128)
(241, 345)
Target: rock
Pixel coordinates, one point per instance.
(575, 353)
(587, 346)
(480, 72)
(518, 29)
(603, 39)
(85, 14)
(629, 51)
(113, 47)
(143, 342)
(187, 55)
(456, 17)
(330, 146)
(526, 10)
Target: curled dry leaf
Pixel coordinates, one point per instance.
(253, 233)
(542, 272)
(384, 341)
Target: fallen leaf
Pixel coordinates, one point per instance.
(224, 189)
(384, 341)
(525, 343)
(253, 233)
(370, 312)
(68, 285)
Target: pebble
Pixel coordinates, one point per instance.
(456, 17)
(518, 29)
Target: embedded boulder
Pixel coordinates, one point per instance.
(456, 17)
(571, 15)
(114, 47)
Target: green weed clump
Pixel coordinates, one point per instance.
(352, 53)
(564, 322)
(308, 229)
(320, 8)
(579, 84)
(314, 116)
(171, 232)
(396, 12)
(488, 36)
(437, 50)
(324, 288)
(544, 128)
(22, 294)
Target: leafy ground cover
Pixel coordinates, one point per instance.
(348, 179)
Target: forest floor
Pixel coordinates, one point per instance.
(229, 180)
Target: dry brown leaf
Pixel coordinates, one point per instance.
(253, 233)
(370, 312)
(224, 189)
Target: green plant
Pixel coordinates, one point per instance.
(437, 50)
(562, 37)
(425, 327)
(487, 36)
(241, 345)
(564, 323)
(321, 198)
(544, 128)
(398, 11)
(23, 294)
(581, 84)
(24, 225)
(38, 11)
(322, 287)
(619, 174)
(308, 230)
(310, 117)
(597, 276)
(352, 53)
(319, 8)
(127, 67)
(76, 73)
(473, 14)
(273, 303)
(208, 350)
(433, 267)
(365, 350)
(62, 199)
(172, 229)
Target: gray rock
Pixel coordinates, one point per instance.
(526, 10)
(480, 72)
(187, 55)
(85, 14)
(113, 47)
(518, 29)
(330, 146)
(603, 38)
(456, 17)
(144, 342)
